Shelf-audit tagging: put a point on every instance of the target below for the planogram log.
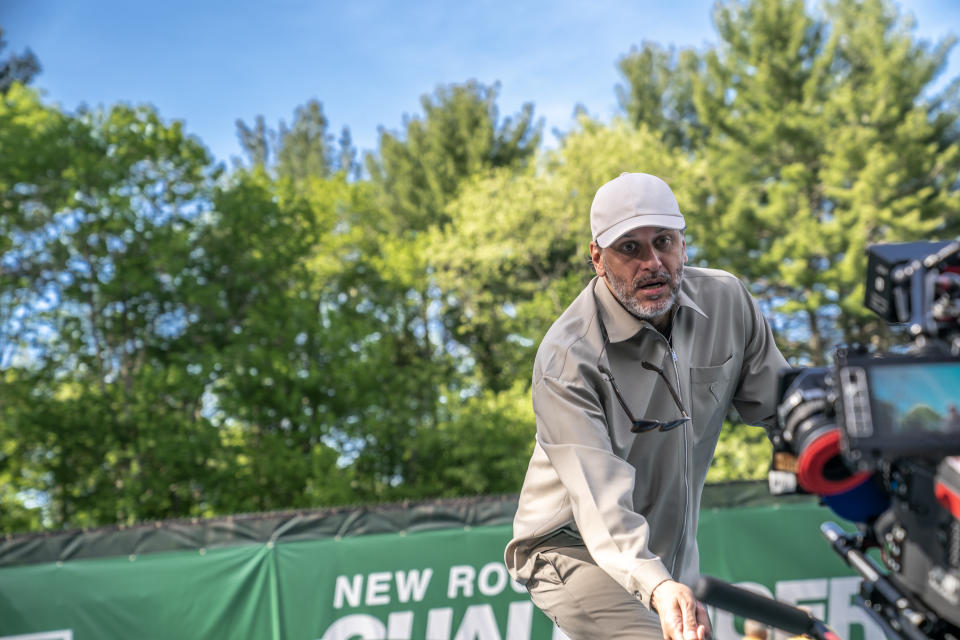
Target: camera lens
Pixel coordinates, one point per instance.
(809, 424)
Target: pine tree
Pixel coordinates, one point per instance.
(819, 138)
(20, 68)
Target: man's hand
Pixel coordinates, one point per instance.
(681, 616)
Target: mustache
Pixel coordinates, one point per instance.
(659, 276)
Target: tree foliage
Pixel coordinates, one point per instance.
(176, 340)
(458, 135)
(659, 92)
(415, 177)
(19, 68)
(822, 139)
(302, 150)
(108, 426)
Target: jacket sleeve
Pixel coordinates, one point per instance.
(572, 431)
(756, 395)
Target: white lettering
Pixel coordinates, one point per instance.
(517, 587)
(378, 588)
(499, 573)
(461, 578)
(346, 590)
(439, 622)
(801, 592)
(350, 627)
(519, 620)
(412, 584)
(830, 599)
(400, 625)
(478, 624)
(845, 614)
(808, 594)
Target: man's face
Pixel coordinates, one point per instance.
(644, 268)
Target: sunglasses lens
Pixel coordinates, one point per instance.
(673, 424)
(641, 426)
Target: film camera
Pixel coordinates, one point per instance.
(877, 438)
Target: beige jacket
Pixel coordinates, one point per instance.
(634, 498)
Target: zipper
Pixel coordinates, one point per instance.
(686, 457)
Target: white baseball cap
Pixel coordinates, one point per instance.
(629, 201)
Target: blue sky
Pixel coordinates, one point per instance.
(368, 61)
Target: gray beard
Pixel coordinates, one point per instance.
(623, 292)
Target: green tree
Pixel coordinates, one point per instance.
(98, 209)
(280, 337)
(414, 176)
(20, 68)
(459, 135)
(659, 92)
(171, 347)
(815, 135)
(302, 150)
(257, 142)
(347, 155)
(822, 138)
(174, 348)
(306, 147)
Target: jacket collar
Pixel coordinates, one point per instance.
(621, 324)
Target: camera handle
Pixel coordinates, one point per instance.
(769, 611)
(878, 596)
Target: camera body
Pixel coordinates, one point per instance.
(877, 437)
(898, 274)
(898, 406)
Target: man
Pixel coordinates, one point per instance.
(630, 388)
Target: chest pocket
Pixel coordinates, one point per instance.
(712, 389)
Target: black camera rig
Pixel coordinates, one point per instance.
(877, 438)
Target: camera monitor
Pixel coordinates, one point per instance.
(896, 406)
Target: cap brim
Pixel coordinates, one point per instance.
(665, 221)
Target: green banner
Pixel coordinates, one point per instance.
(446, 583)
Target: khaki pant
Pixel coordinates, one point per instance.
(584, 601)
